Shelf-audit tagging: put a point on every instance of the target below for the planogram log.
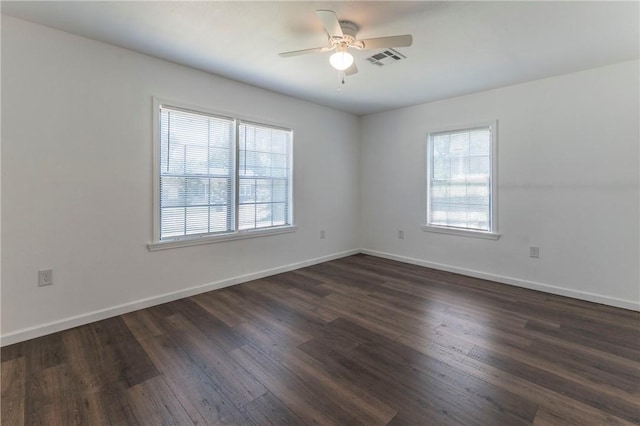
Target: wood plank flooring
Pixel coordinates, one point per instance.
(359, 340)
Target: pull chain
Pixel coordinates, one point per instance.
(341, 76)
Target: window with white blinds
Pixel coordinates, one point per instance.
(196, 174)
(219, 175)
(263, 173)
(460, 179)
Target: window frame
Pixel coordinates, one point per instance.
(236, 233)
(492, 233)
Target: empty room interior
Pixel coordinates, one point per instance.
(346, 212)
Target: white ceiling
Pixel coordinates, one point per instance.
(458, 48)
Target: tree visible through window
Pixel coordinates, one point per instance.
(460, 179)
(220, 175)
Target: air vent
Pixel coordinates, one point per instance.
(386, 57)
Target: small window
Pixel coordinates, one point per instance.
(218, 176)
(461, 190)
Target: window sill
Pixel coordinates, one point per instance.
(461, 232)
(212, 239)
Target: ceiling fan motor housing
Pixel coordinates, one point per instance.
(349, 31)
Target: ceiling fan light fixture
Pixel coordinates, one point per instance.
(341, 60)
(342, 36)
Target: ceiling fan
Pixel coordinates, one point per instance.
(342, 36)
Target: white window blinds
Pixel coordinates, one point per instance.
(196, 173)
(459, 193)
(263, 173)
(219, 175)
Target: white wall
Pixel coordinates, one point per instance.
(77, 180)
(77, 183)
(567, 182)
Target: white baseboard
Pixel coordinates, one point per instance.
(532, 285)
(75, 321)
(78, 320)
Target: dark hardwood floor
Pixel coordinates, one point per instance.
(359, 340)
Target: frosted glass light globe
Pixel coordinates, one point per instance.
(341, 60)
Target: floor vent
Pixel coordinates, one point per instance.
(386, 57)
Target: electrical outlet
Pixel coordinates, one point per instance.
(534, 251)
(400, 234)
(322, 234)
(45, 277)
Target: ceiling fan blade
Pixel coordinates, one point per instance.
(393, 41)
(330, 22)
(351, 70)
(304, 51)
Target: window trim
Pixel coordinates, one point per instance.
(199, 239)
(236, 234)
(492, 234)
